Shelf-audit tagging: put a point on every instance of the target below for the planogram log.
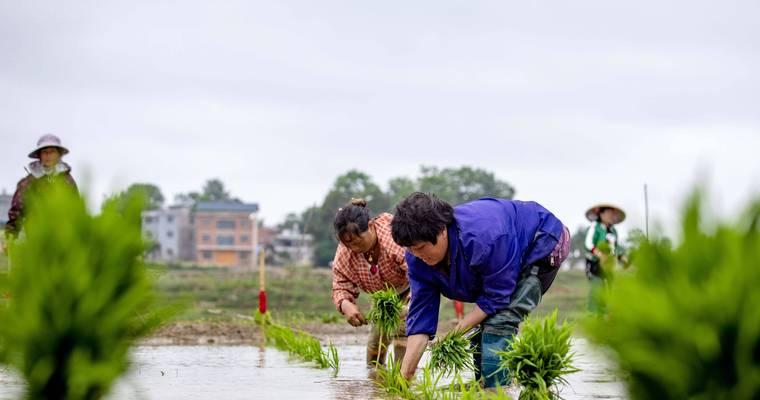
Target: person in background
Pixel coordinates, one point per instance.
(46, 170)
(602, 243)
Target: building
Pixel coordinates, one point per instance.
(291, 247)
(5, 206)
(170, 233)
(225, 233)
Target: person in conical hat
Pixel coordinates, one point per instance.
(601, 242)
(46, 169)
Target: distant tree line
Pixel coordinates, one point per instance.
(454, 185)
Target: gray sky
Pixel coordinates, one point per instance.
(571, 102)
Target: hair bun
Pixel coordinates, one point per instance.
(359, 202)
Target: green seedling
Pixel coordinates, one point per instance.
(683, 324)
(385, 314)
(391, 380)
(453, 353)
(540, 357)
(80, 296)
(302, 345)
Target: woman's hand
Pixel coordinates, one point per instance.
(471, 319)
(352, 313)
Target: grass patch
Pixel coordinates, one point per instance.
(293, 294)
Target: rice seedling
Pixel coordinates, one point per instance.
(539, 358)
(392, 382)
(460, 390)
(81, 296)
(385, 314)
(302, 345)
(453, 353)
(684, 323)
(427, 388)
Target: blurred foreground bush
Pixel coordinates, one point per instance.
(684, 323)
(79, 296)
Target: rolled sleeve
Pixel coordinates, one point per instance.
(501, 270)
(343, 287)
(425, 301)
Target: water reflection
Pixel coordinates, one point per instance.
(258, 372)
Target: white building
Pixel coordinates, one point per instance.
(170, 232)
(291, 247)
(5, 205)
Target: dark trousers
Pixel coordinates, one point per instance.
(497, 331)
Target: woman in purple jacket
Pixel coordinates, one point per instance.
(500, 254)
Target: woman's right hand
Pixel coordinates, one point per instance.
(352, 313)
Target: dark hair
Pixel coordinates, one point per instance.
(419, 218)
(352, 219)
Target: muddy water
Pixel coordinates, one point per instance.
(250, 372)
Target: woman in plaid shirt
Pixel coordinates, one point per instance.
(367, 259)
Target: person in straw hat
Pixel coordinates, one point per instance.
(602, 243)
(46, 169)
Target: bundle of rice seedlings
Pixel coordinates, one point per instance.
(386, 311)
(453, 353)
(539, 358)
(385, 314)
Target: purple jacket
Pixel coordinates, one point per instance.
(490, 242)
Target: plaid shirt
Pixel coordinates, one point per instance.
(351, 271)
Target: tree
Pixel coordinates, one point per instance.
(292, 221)
(460, 185)
(455, 185)
(213, 190)
(353, 184)
(151, 193)
(398, 188)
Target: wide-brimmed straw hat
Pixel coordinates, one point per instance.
(48, 141)
(593, 213)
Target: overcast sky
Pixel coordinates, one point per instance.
(571, 102)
